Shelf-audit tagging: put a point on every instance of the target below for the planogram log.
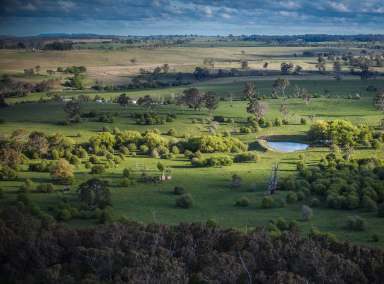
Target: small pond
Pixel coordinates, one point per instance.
(287, 147)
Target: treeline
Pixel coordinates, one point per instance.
(13, 88)
(41, 251)
(315, 38)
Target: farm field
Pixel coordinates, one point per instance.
(199, 142)
(211, 189)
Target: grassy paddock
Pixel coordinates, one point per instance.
(214, 198)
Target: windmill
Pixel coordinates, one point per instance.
(272, 185)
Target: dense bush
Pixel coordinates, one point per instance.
(45, 188)
(185, 201)
(267, 202)
(98, 169)
(341, 184)
(7, 173)
(246, 157)
(213, 143)
(214, 161)
(178, 190)
(339, 132)
(163, 254)
(355, 223)
(149, 119)
(242, 202)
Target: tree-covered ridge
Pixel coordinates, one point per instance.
(35, 251)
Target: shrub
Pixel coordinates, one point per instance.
(375, 238)
(185, 201)
(45, 187)
(175, 150)
(214, 161)
(178, 190)
(303, 121)
(214, 143)
(105, 217)
(171, 132)
(127, 173)
(219, 118)
(306, 213)
(246, 157)
(27, 186)
(7, 173)
(242, 202)
(245, 130)
(355, 223)
(267, 202)
(282, 224)
(285, 121)
(277, 122)
(125, 182)
(155, 154)
(98, 169)
(369, 204)
(380, 210)
(144, 149)
(291, 197)
(314, 202)
(64, 215)
(300, 165)
(236, 181)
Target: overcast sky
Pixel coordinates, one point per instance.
(204, 17)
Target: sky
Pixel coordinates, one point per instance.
(203, 17)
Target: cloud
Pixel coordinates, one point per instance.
(66, 5)
(273, 16)
(338, 7)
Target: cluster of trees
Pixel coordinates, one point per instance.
(59, 45)
(196, 99)
(341, 183)
(13, 88)
(41, 251)
(215, 143)
(152, 118)
(340, 132)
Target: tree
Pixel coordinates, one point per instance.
(257, 108)
(200, 73)
(123, 100)
(337, 69)
(72, 108)
(95, 193)
(145, 101)
(37, 143)
(321, 66)
(75, 82)
(284, 109)
(193, 98)
(62, 170)
(165, 68)
(161, 168)
(298, 69)
(211, 101)
(249, 90)
(286, 68)
(281, 85)
(306, 213)
(378, 100)
(37, 69)
(244, 64)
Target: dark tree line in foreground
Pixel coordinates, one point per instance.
(35, 251)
